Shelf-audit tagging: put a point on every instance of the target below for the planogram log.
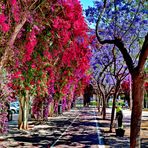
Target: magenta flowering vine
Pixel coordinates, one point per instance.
(50, 53)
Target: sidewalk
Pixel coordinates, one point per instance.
(78, 128)
(110, 139)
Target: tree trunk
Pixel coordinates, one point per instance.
(98, 102)
(113, 113)
(101, 104)
(42, 111)
(104, 107)
(23, 112)
(130, 94)
(114, 104)
(137, 95)
(108, 98)
(8, 53)
(51, 109)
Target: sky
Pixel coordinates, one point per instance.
(86, 3)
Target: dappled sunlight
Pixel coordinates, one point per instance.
(73, 73)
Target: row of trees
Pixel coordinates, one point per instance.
(44, 53)
(121, 30)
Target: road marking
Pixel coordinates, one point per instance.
(100, 138)
(52, 146)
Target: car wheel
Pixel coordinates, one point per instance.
(13, 111)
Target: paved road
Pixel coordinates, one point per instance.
(77, 128)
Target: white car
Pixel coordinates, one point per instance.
(14, 107)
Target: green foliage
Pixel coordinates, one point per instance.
(93, 103)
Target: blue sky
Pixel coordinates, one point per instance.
(86, 3)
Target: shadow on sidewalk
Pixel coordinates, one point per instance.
(111, 140)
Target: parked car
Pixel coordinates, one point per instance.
(14, 107)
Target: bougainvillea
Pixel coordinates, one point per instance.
(50, 51)
(125, 86)
(146, 86)
(6, 96)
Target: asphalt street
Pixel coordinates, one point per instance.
(76, 128)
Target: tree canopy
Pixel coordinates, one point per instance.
(45, 50)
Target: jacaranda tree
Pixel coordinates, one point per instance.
(123, 24)
(100, 63)
(110, 71)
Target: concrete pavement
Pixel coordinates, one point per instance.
(77, 128)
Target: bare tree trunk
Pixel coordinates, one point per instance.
(51, 109)
(98, 102)
(104, 107)
(23, 112)
(130, 94)
(101, 104)
(42, 111)
(113, 113)
(108, 101)
(138, 93)
(114, 103)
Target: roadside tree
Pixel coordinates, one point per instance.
(123, 24)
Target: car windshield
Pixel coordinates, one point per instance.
(13, 105)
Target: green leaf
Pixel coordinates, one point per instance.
(48, 33)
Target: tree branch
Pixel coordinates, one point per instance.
(104, 3)
(132, 22)
(114, 59)
(8, 51)
(118, 42)
(126, 56)
(97, 26)
(103, 41)
(105, 67)
(144, 54)
(118, 72)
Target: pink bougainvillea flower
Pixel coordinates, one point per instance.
(33, 66)
(13, 2)
(2, 18)
(5, 27)
(16, 74)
